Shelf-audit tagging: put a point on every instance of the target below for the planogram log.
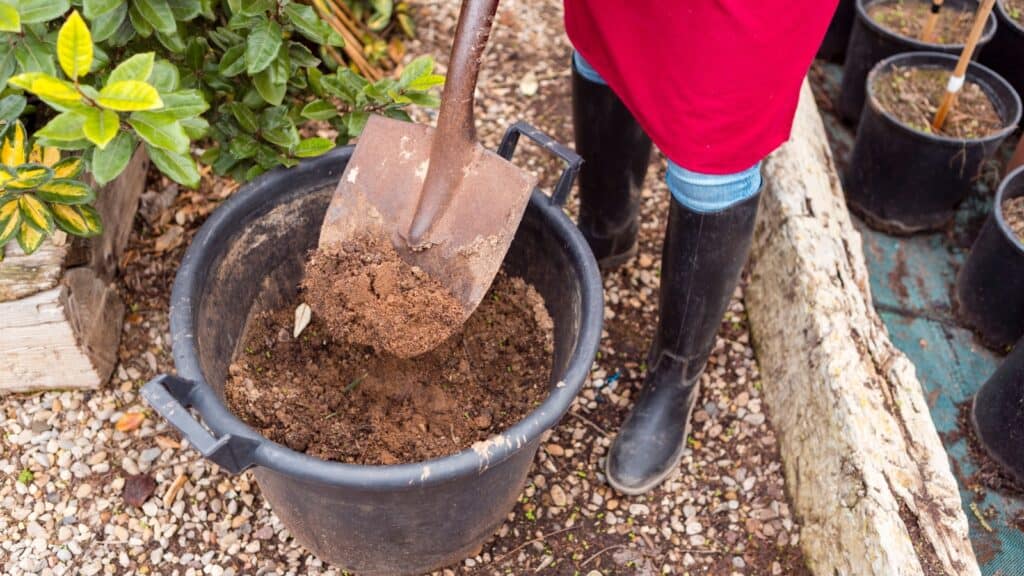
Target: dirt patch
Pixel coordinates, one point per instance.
(1013, 213)
(908, 19)
(366, 294)
(344, 402)
(913, 96)
(1014, 9)
(989, 474)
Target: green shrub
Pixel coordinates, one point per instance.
(240, 77)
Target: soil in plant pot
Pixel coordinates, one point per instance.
(1014, 9)
(1013, 213)
(989, 475)
(907, 18)
(913, 96)
(340, 401)
(366, 294)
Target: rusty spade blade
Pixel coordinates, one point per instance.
(448, 205)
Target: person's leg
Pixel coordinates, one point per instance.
(616, 152)
(710, 226)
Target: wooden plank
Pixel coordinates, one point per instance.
(865, 467)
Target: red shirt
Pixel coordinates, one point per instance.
(715, 83)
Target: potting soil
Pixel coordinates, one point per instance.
(913, 96)
(365, 293)
(1013, 213)
(908, 18)
(345, 402)
(1014, 9)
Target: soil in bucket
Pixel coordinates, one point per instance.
(366, 294)
(1013, 213)
(913, 96)
(1014, 9)
(338, 400)
(908, 19)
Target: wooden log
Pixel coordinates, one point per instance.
(866, 469)
(60, 313)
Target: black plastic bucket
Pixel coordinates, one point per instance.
(870, 43)
(833, 47)
(990, 284)
(1006, 52)
(903, 180)
(400, 519)
(998, 414)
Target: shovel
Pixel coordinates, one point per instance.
(448, 205)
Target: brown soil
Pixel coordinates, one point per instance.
(1013, 213)
(908, 19)
(1018, 521)
(1014, 9)
(366, 294)
(344, 402)
(913, 96)
(990, 474)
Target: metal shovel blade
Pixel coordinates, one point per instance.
(379, 191)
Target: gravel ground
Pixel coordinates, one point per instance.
(95, 483)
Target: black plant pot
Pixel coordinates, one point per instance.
(870, 43)
(1005, 54)
(401, 519)
(833, 47)
(990, 284)
(998, 414)
(902, 180)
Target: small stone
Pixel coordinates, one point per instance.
(558, 496)
(149, 454)
(639, 510)
(555, 450)
(612, 504)
(137, 489)
(83, 491)
(754, 419)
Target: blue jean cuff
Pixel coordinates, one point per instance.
(586, 70)
(706, 193)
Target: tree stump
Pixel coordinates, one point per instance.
(866, 470)
(60, 313)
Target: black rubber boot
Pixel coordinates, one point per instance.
(701, 264)
(616, 152)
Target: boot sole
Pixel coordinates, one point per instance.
(671, 469)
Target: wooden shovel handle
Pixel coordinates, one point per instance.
(933, 19)
(455, 137)
(980, 19)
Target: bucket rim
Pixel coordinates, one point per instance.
(991, 25)
(474, 460)
(1013, 183)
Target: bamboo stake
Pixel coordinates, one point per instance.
(933, 19)
(956, 81)
(353, 47)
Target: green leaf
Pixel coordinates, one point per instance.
(244, 146)
(35, 212)
(92, 219)
(165, 76)
(74, 47)
(69, 167)
(66, 191)
(64, 127)
(426, 82)
(10, 219)
(301, 56)
(173, 42)
(272, 83)
(185, 10)
(195, 53)
(245, 116)
(137, 67)
(184, 104)
(355, 121)
(48, 87)
(8, 61)
(233, 61)
(106, 25)
(178, 167)
(30, 238)
(100, 126)
(109, 162)
(319, 110)
(95, 8)
(160, 132)
(158, 14)
(11, 107)
(10, 19)
(255, 7)
(28, 176)
(139, 23)
(34, 55)
(35, 11)
(128, 95)
(196, 128)
(424, 99)
(70, 220)
(421, 66)
(307, 22)
(262, 46)
(313, 147)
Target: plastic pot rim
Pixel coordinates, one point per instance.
(471, 461)
(1017, 27)
(997, 209)
(986, 35)
(973, 70)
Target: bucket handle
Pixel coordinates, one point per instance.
(571, 158)
(171, 397)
